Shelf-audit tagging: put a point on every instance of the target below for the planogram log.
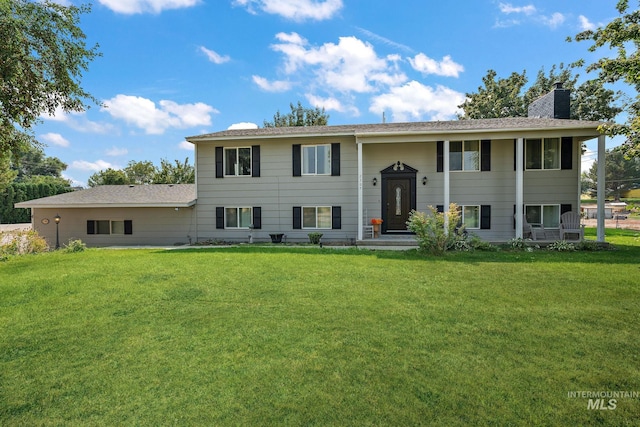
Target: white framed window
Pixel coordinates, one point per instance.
(471, 216)
(542, 154)
(547, 215)
(316, 217)
(464, 155)
(316, 159)
(238, 217)
(237, 161)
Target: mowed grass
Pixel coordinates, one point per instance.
(286, 336)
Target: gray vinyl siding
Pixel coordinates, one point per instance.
(277, 191)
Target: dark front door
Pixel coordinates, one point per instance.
(398, 203)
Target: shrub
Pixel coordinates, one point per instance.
(478, 244)
(561, 246)
(315, 237)
(21, 242)
(75, 246)
(432, 234)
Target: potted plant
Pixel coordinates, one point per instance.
(315, 237)
(276, 237)
(376, 226)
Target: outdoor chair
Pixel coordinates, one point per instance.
(532, 230)
(570, 224)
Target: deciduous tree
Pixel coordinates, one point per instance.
(299, 116)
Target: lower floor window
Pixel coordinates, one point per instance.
(104, 226)
(547, 215)
(237, 217)
(316, 217)
(471, 216)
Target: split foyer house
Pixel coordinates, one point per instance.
(335, 179)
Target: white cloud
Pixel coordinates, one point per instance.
(78, 121)
(554, 21)
(243, 125)
(96, 166)
(296, 10)
(130, 7)
(331, 104)
(115, 152)
(415, 101)
(144, 114)
(508, 8)
(186, 145)
(447, 67)
(272, 86)
(55, 139)
(215, 57)
(349, 66)
(585, 24)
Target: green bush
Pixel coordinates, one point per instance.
(477, 244)
(433, 235)
(75, 246)
(315, 238)
(561, 246)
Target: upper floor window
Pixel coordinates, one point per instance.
(542, 153)
(316, 159)
(464, 155)
(237, 161)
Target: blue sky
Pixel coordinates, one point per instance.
(176, 68)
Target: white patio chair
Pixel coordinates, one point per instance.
(532, 230)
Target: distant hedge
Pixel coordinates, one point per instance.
(21, 192)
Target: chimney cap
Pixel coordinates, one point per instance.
(558, 85)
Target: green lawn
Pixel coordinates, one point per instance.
(286, 336)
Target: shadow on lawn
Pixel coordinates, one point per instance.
(617, 254)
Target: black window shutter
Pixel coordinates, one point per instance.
(514, 217)
(440, 156)
(564, 208)
(297, 160)
(219, 162)
(257, 217)
(91, 227)
(335, 159)
(128, 226)
(440, 208)
(566, 153)
(297, 217)
(255, 161)
(219, 217)
(485, 155)
(336, 217)
(485, 217)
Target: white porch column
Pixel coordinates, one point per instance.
(600, 188)
(447, 194)
(519, 186)
(360, 195)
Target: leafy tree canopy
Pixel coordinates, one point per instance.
(145, 172)
(42, 57)
(507, 97)
(621, 173)
(621, 36)
(299, 116)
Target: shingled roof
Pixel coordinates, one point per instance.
(488, 125)
(113, 196)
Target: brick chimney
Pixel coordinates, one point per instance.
(554, 105)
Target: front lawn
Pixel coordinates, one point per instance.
(286, 336)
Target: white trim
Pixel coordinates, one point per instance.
(519, 186)
(600, 188)
(447, 189)
(360, 191)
